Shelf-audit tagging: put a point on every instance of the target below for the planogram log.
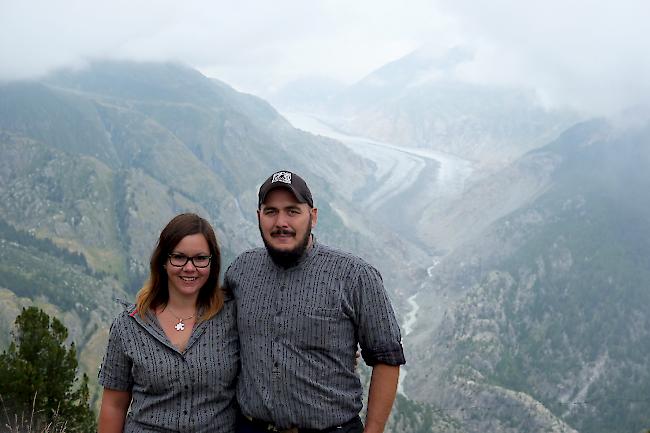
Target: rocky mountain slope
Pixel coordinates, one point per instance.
(546, 324)
(532, 277)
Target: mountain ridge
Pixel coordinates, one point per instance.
(557, 314)
(530, 282)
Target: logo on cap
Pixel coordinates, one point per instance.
(282, 176)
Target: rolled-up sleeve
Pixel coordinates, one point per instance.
(377, 328)
(115, 371)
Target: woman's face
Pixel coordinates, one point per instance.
(187, 280)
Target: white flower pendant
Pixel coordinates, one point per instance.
(180, 326)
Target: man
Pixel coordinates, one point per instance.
(302, 310)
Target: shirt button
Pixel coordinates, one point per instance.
(275, 364)
(283, 287)
(184, 412)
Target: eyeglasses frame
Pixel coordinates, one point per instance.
(188, 259)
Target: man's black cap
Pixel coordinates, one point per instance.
(288, 180)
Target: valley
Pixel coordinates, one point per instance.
(520, 280)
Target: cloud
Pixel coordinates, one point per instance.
(38, 36)
(278, 40)
(587, 54)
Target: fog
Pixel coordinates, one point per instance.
(591, 55)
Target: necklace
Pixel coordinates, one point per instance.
(180, 326)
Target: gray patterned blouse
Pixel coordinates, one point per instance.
(172, 391)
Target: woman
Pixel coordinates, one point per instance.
(172, 358)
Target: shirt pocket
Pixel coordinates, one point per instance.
(321, 328)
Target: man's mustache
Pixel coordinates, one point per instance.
(283, 232)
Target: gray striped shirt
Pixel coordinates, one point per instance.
(299, 329)
(192, 391)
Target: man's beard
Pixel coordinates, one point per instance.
(287, 258)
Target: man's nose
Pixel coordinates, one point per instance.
(282, 220)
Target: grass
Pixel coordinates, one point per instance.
(34, 422)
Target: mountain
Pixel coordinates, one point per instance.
(544, 325)
(521, 277)
(421, 101)
(96, 161)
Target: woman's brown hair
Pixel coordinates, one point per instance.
(155, 293)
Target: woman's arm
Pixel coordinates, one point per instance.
(113, 410)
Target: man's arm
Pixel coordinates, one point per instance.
(383, 386)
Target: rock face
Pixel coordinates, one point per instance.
(532, 298)
(546, 325)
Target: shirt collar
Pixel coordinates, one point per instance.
(152, 326)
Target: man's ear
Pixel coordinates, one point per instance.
(314, 217)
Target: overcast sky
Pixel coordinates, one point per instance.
(593, 55)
